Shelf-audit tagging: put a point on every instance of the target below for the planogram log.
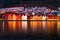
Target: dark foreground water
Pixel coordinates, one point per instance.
(29, 30)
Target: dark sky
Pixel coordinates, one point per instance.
(10, 3)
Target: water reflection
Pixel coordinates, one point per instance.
(58, 28)
(33, 24)
(44, 24)
(36, 26)
(15, 25)
(3, 26)
(24, 23)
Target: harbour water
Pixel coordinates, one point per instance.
(23, 27)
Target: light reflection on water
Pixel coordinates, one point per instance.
(31, 27)
(45, 27)
(24, 23)
(58, 27)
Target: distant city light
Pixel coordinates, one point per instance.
(33, 13)
(59, 8)
(28, 10)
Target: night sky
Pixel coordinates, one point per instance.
(12, 3)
